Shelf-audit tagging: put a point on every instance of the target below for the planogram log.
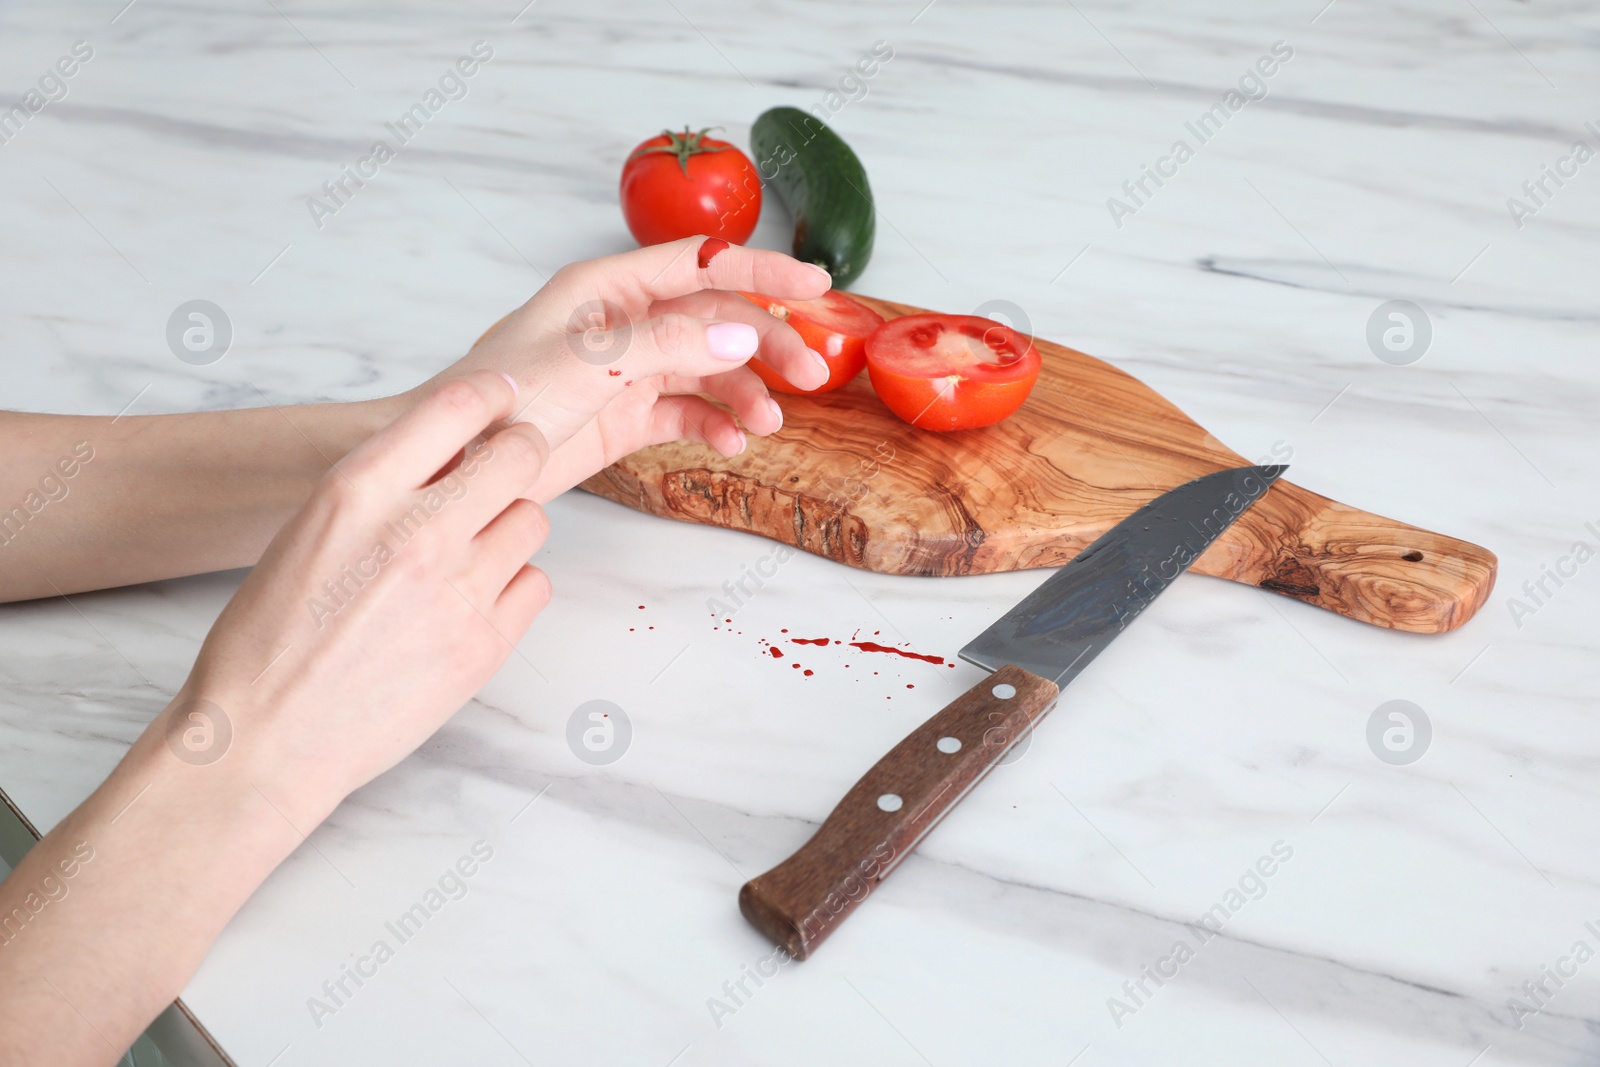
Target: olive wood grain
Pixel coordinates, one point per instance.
(802, 900)
(848, 480)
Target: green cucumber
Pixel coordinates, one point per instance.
(823, 185)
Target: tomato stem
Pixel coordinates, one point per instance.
(683, 145)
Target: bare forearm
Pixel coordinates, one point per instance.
(87, 502)
(105, 920)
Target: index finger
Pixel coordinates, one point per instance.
(667, 271)
(416, 446)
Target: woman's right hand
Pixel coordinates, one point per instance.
(378, 610)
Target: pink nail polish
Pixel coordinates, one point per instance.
(732, 340)
(511, 382)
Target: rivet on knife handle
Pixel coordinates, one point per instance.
(880, 821)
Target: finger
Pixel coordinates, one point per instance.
(743, 391)
(664, 271)
(681, 344)
(595, 446)
(523, 598)
(678, 344)
(693, 418)
(503, 546)
(492, 476)
(416, 446)
(780, 347)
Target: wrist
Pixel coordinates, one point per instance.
(221, 767)
(159, 838)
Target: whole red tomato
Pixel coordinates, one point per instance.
(680, 184)
(951, 372)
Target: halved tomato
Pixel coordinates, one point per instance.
(833, 325)
(951, 372)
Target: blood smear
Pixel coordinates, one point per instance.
(709, 250)
(873, 646)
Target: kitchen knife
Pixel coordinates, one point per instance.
(1034, 650)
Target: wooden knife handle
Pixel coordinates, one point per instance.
(885, 815)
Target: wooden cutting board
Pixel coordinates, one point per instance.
(848, 480)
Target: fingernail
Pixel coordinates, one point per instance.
(732, 340)
(816, 357)
(777, 412)
(744, 443)
(822, 271)
(511, 382)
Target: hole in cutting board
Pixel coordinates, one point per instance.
(1412, 557)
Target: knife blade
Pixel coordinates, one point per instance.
(1034, 651)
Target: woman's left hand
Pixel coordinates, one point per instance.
(612, 353)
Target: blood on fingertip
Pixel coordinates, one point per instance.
(614, 373)
(709, 250)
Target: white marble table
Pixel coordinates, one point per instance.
(1418, 899)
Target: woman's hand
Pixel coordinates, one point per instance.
(611, 353)
(382, 607)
